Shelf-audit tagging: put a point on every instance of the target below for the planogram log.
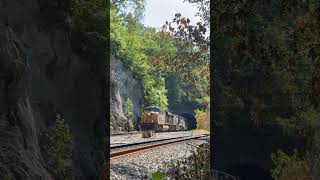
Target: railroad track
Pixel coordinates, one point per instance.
(135, 132)
(125, 133)
(119, 150)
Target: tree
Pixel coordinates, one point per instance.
(189, 55)
(122, 7)
(289, 167)
(128, 110)
(132, 43)
(204, 10)
(60, 149)
(203, 119)
(267, 59)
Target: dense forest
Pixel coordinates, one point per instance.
(266, 78)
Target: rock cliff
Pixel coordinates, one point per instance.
(123, 85)
(40, 75)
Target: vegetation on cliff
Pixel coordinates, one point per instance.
(60, 149)
(155, 56)
(85, 23)
(130, 41)
(128, 111)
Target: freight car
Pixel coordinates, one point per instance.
(153, 119)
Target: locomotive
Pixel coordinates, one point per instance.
(158, 121)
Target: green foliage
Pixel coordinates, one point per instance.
(89, 16)
(128, 110)
(313, 160)
(267, 59)
(196, 166)
(289, 167)
(60, 149)
(304, 125)
(122, 6)
(186, 54)
(151, 55)
(205, 101)
(272, 69)
(130, 42)
(157, 176)
(308, 127)
(203, 119)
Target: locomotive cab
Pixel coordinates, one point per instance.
(149, 121)
(150, 118)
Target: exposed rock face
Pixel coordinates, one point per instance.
(40, 76)
(123, 85)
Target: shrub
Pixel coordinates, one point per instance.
(289, 167)
(203, 119)
(196, 166)
(128, 110)
(60, 149)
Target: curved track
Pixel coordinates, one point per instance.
(123, 149)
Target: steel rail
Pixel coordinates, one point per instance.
(124, 133)
(138, 132)
(118, 145)
(135, 147)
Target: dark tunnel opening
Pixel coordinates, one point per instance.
(191, 122)
(249, 172)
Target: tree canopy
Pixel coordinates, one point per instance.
(155, 56)
(266, 55)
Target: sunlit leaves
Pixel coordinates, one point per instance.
(203, 119)
(122, 7)
(135, 46)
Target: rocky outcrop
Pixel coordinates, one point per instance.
(123, 85)
(40, 76)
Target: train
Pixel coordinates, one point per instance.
(161, 121)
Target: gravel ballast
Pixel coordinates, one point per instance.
(134, 138)
(141, 165)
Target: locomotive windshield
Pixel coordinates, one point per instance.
(153, 109)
